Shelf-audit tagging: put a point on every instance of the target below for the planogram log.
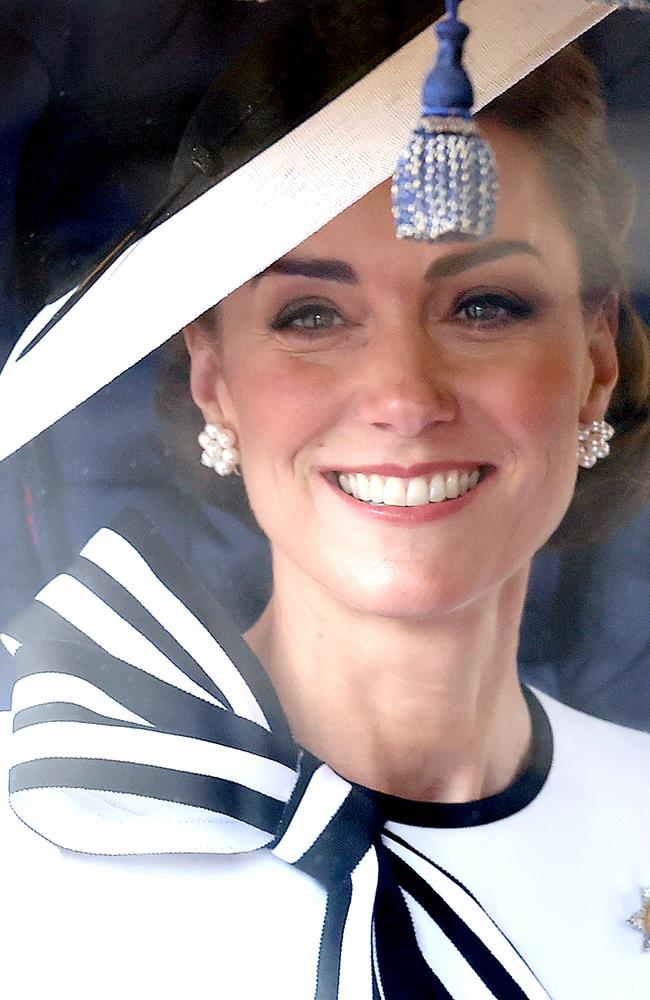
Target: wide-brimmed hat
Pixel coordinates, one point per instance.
(308, 119)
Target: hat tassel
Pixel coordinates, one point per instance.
(445, 183)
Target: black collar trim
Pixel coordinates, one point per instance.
(526, 788)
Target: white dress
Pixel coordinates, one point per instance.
(544, 877)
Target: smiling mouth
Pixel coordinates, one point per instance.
(417, 491)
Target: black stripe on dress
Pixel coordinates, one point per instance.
(131, 609)
(166, 707)
(403, 969)
(38, 621)
(165, 564)
(391, 835)
(65, 711)
(329, 956)
(218, 795)
(484, 963)
(341, 845)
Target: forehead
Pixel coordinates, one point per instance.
(528, 211)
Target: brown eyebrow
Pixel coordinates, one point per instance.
(312, 267)
(327, 269)
(455, 263)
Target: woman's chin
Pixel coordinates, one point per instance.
(408, 598)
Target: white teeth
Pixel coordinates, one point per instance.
(437, 488)
(451, 485)
(417, 492)
(377, 489)
(394, 491)
(363, 487)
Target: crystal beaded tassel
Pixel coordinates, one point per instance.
(445, 182)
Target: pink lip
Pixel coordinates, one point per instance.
(409, 471)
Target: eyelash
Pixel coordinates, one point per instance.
(512, 309)
(296, 311)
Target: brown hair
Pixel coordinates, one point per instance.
(559, 108)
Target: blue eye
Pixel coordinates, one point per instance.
(491, 309)
(308, 316)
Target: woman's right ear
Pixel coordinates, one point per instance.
(205, 370)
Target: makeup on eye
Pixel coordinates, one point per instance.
(482, 308)
(492, 308)
(308, 316)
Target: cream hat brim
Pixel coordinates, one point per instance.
(260, 212)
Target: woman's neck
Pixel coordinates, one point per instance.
(427, 710)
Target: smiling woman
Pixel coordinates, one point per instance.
(408, 418)
(404, 368)
(407, 360)
(555, 112)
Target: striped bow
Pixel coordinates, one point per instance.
(137, 732)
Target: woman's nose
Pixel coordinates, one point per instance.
(407, 386)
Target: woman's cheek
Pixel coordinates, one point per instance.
(542, 394)
(281, 408)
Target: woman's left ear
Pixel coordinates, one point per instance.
(602, 370)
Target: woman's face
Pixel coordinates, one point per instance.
(412, 369)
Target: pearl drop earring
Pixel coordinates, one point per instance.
(219, 449)
(593, 442)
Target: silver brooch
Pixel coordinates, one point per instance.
(641, 919)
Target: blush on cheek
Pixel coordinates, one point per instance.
(285, 410)
(545, 396)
